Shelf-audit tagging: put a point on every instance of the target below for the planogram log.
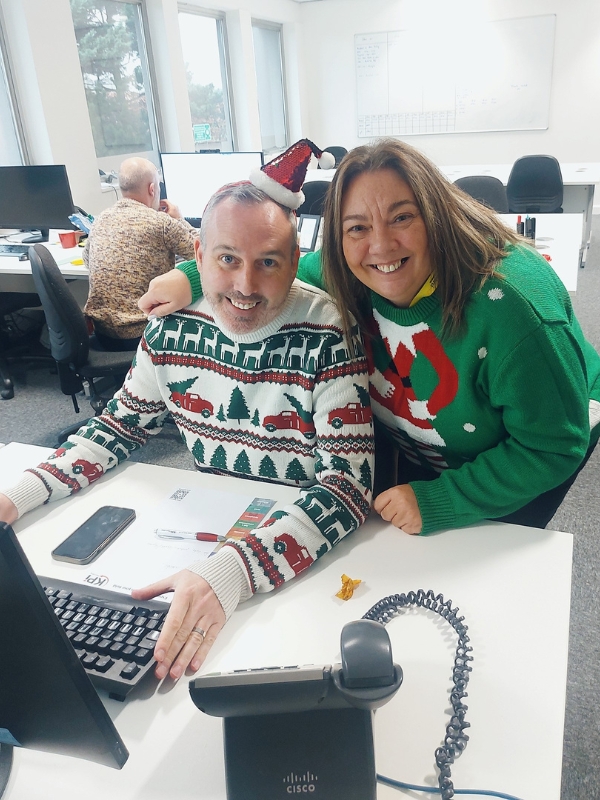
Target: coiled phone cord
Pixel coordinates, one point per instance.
(455, 739)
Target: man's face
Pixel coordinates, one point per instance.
(247, 266)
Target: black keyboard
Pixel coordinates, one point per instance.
(113, 638)
(14, 249)
(194, 221)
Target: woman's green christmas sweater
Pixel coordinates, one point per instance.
(501, 412)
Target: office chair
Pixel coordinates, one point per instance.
(77, 355)
(337, 152)
(488, 190)
(9, 303)
(314, 197)
(535, 185)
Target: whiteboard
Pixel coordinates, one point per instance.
(497, 77)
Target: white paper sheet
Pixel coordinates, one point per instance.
(139, 557)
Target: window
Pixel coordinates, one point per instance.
(10, 149)
(268, 61)
(115, 73)
(203, 45)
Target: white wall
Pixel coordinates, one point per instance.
(320, 79)
(327, 62)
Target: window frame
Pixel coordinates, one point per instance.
(7, 72)
(224, 61)
(277, 26)
(152, 100)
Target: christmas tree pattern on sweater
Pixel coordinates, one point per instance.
(288, 404)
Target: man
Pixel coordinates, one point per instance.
(261, 382)
(129, 244)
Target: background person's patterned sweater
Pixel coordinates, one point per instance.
(286, 403)
(128, 246)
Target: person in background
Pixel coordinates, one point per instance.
(129, 244)
(262, 383)
(485, 392)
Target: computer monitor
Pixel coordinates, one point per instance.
(192, 178)
(35, 198)
(47, 701)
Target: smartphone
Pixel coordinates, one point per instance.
(90, 539)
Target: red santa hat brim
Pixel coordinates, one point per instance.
(276, 191)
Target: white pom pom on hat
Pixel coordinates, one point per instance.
(282, 178)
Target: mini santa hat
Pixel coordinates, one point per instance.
(282, 178)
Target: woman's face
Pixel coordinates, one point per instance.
(384, 237)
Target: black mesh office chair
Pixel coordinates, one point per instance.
(314, 197)
(77, 355)
(337, 152)
(488, 190)
(535, 185)
(9, 303)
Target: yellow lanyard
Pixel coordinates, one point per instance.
(427, 289)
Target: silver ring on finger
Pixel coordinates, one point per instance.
(200, 631)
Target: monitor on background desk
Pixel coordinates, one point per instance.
(35, 198)
(47, 702)
(192, 178)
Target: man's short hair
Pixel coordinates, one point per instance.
(135, 174)
(245, 193)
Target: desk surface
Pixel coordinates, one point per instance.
(557, 236)
(64, 257)
(511, 583)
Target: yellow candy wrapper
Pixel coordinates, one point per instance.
(348, 587)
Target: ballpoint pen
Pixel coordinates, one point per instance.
(200, 536)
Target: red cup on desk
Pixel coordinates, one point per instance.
(69, 239)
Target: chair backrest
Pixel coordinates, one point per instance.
(337, 152)
(535, 185)
(69, 338)
(488, 190)
(314, 197)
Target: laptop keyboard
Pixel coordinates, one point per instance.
(113, 638)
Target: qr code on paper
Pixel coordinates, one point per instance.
(179, 494)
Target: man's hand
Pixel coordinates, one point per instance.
(170, 208)
(8, 510)
(166, 294)
(399, 506)
(194, 605)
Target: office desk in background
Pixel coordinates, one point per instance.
(559, 237)
(511, 583)
(15, 275)
(579, 180)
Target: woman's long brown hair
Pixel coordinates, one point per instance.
(466, 239)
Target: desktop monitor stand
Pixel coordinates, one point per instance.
(37, 238)
(6, 759)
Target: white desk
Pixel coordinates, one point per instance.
(557, 236)
(579, 180)
(511, 583)
(15, 275)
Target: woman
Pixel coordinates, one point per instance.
(479, 373)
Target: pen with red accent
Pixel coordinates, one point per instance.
(200, 536)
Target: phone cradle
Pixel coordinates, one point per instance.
(304, 730)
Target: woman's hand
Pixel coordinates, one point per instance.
(194, 610)
(166, 294)
(399, 506)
